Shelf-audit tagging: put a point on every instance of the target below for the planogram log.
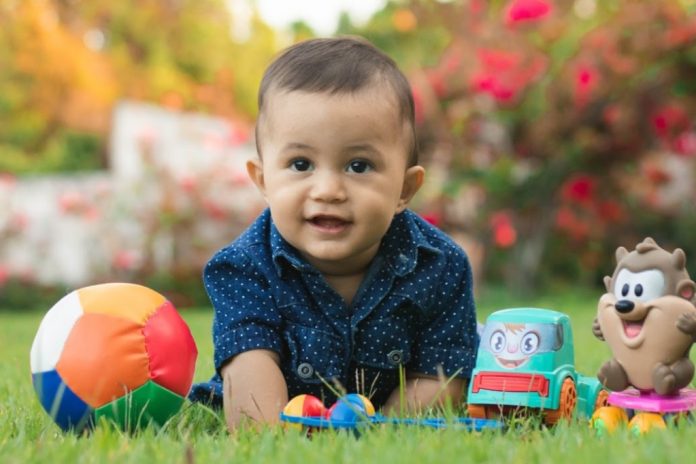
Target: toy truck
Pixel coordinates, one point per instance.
(526, 362)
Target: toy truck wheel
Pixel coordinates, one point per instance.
(566, 403)
(482, 411)
(607, 419)
(602, 399)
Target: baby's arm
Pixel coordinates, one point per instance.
(423, 391)
(253, 388)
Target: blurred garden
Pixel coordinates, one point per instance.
(551, 131)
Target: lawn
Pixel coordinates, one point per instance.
(198, 434)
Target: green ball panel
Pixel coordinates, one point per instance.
(149, 403)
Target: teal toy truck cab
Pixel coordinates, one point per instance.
(526, 361)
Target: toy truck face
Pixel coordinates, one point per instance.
(524, 356)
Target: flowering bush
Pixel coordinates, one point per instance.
(571, 125)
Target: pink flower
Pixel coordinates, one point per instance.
(237, 134)
(18, 222)
(610, 211)
(418, 104)
(504, 74)
(669, 120)
(4, 275)
(504, 233)
(579, 189)
(437, 82)
(214, 210)
(685, 143)
(188, 183)
(7, 180)
(433, 218)
(568, 222)
(518, 11)
(125, 260)
(585, 82)
(71, 202)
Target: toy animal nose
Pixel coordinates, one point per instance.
(624, 306)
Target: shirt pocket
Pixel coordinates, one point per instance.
(313, 354)
(384, 343)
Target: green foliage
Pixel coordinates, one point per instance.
(58, 88)
(557, 128)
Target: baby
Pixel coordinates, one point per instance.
(337, 286)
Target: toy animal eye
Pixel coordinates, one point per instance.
(497, 341)
(530, 343)
(639, 290)
(639, 286)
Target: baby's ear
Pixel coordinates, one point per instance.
(413, 179)
(255, 171)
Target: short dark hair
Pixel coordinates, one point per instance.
(338, 65)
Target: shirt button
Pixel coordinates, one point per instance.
(395, 357)
(305, 371)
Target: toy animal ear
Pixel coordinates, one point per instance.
(607, 283)
(686, 289)
(620, 253)
(679, 259)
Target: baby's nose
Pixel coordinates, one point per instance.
(512, 347)
(328, 186)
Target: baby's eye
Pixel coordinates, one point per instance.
(359, 166)
(300, 165)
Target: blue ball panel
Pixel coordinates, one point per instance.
(64, 407)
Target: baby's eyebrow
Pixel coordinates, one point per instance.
(297, 146)
(361, 148)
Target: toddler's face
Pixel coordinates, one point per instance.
(334, 172)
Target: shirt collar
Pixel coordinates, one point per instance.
(399, 248)
(285, 255)
(403, 242)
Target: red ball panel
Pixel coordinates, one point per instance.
(103, 357)
(171, 349)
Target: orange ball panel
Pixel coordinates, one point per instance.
(130, 301)
(103, 357)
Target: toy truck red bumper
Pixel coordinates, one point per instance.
(511, 382)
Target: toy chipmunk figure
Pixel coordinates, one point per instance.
(648, 318)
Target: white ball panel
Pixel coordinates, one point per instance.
(53, 332)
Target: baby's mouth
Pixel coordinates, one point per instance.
(329, 223)
(632, 328)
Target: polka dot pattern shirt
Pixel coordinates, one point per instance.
(414, 309)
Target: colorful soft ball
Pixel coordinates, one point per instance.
(119, 351)
(351, 408)
(305, 406)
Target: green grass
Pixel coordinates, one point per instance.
(198, 434)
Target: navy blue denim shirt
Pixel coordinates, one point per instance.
(414, 308)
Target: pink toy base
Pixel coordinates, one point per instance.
(650, 401)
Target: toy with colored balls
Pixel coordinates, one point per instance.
(351, 408)
(302, 406)
(119, 351)
(305, 406)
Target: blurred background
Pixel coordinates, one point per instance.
(552, 132)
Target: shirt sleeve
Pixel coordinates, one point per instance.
(449, 340)
(245, 317)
